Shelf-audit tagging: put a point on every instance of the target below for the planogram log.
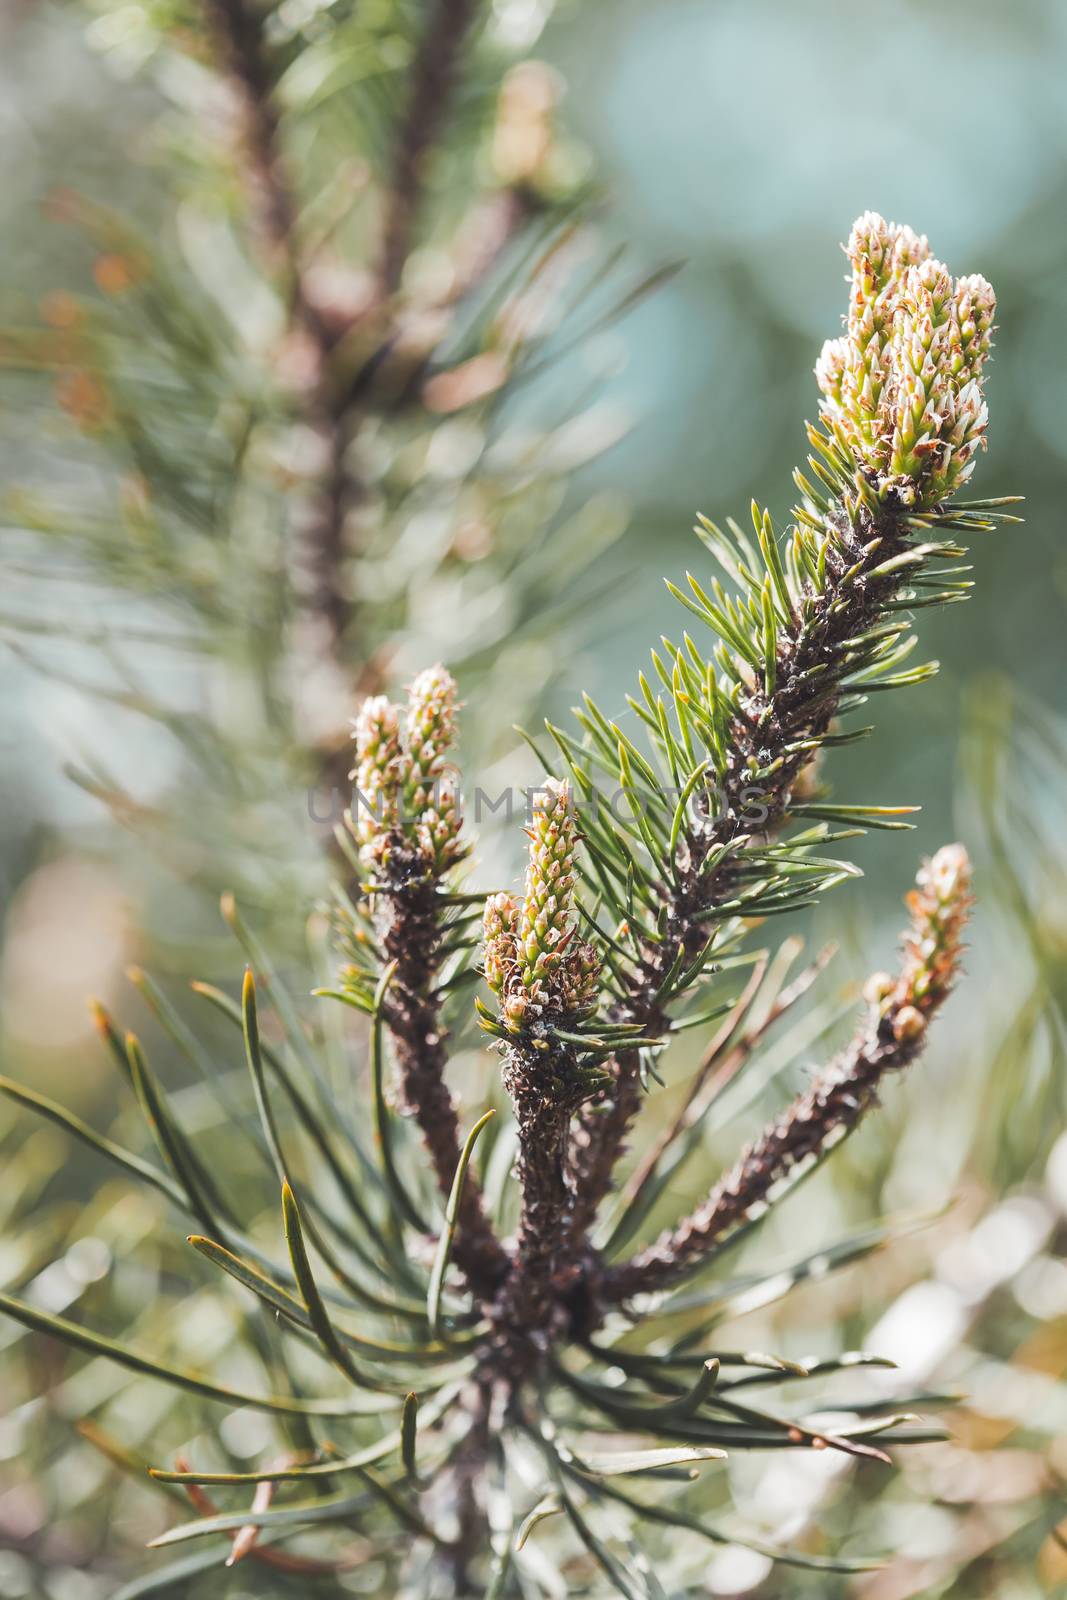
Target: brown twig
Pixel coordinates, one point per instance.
(410, 933)
(891, 1036)
(409, 828)
(530, 1309)
(319, 536)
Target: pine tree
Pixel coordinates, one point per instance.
(560, 1374)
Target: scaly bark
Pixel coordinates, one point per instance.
(411, 936)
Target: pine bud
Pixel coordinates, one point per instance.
(430, 719)
(499, 921)
(902, 391)
(909, 1024)
(378, 772)
(939, 905)
(534, 961)
(430, 799)
(553, 840)
(406, 796)
(878, 988)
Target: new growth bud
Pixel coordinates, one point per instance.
(377, 773)
(405, 795)
(499, 922)
(902, 389)
(535, 963)
(430, 800)
(939, 905)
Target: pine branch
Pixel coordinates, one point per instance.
(728, 832)
(545, 980)
(434, 78)
(318, 553)
(892, 1035)
(411, 932)
(816, 626)
(333, 399)
(771, 735)
(238, 26)
(545, 1096)
(408, 829)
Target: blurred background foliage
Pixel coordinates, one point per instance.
(529, 438)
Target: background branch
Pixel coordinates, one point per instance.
(238, 28)
(433, 82)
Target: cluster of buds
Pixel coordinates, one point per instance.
(535, 963)
(377, 773)
(405, 790)
(429, 796)
(902, 388)
(939, 905)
